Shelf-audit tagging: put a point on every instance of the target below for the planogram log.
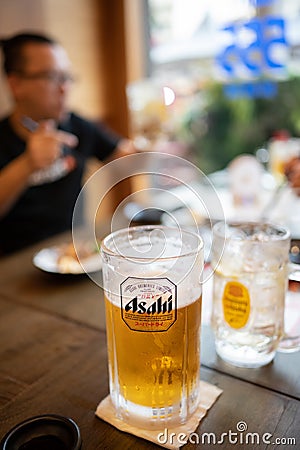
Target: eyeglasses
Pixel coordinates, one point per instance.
(57, 78)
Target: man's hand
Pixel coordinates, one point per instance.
(125, 147)
(44, 145)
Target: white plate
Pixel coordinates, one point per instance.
(47, 260)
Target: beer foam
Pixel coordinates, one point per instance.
(149, 254)
(151, 246)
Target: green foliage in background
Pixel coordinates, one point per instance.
(220, 128)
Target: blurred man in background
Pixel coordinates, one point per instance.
(43, 146)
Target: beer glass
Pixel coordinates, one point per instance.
(153, 292)
(249, 288)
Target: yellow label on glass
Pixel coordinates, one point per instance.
(236, 304)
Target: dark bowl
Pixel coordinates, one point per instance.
(46, 432)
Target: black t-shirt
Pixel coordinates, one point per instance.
(46, 206)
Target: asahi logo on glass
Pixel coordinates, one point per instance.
(148, 304)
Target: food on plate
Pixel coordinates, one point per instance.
(69, 257)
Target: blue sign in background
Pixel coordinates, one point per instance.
(258, 58)
(261, 3)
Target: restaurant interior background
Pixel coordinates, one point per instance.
(237, 64)
(207, 80)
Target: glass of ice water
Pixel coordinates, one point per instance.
(249, 288)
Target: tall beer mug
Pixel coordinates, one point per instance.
(153, 292)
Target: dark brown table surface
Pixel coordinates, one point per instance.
(53, 360)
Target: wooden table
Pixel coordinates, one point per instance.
(53, 360)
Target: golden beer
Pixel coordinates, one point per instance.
(155, 369)
(153, 295)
